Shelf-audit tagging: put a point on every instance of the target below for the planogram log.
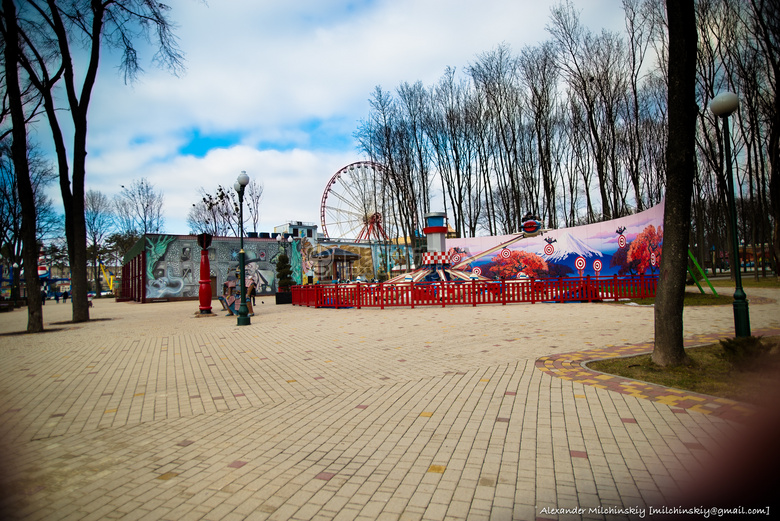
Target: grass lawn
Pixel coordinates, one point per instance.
(743, 369)
(714, 369)
(694, 299)
(747, 282)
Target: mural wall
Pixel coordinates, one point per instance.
(626, 246)
(173, 263)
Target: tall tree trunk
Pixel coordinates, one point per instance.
(22, 171)
(679, 183)
(79, 104)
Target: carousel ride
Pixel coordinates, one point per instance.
(436, 262)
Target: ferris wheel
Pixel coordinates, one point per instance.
(356, 203)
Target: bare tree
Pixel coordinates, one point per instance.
(99, 220)
(52, 35)
(495, 75)
(139, 207)
(385, 139)
(450, 127)
(639, 29)
(21, 165)
(540, 76)
(47, 222)
(216, 213)
(764, 26)
(252, 198)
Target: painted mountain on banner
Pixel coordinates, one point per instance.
(567, 247)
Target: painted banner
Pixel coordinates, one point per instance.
(627, 246)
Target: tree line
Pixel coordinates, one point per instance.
(574, 129)
(113, 224)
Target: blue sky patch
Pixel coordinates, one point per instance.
(199, 144)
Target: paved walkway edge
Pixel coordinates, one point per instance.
(571, 366)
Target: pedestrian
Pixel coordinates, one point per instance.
(252, 289)
(65, 297)
(43, 297)
(56, 297)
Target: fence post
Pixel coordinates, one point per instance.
(587, 287)
(615, 287)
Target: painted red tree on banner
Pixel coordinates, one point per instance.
(646, 243)
(620, 259)
(519, 261)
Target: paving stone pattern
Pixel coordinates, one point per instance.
(148, 412)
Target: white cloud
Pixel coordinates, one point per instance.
(292, 181)
(266, 71)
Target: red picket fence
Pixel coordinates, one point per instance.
(455, 293)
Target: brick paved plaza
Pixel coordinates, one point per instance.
(148, 412)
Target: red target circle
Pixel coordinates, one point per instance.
(456, 257)
(580, 263)
(477, 271)
(597, 265)
(549, 249)
(652, 258)
(505, 253)
(622, 241)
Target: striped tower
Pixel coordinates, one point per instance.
(436, 232)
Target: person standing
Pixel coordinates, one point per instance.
(64, 297)
(252, 289)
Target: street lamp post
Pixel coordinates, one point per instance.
(15, 284)
(243, 311)
(723, 105)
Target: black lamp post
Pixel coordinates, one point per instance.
(243, 311)
(723, 105)
(15, 284)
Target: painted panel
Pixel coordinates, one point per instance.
(173, 264)
(627, 246)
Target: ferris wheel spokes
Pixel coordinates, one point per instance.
(354, 204)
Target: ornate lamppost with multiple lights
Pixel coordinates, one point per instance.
(243, 311)
(723, 105)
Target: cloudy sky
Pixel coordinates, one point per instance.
(277, 88)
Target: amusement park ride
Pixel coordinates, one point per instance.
(356, 203)
(358, 206)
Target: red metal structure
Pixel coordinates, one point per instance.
(204, 289)
(453, 293)
(134, 279)
(356, 203)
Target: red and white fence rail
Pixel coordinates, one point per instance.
(464, 293)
